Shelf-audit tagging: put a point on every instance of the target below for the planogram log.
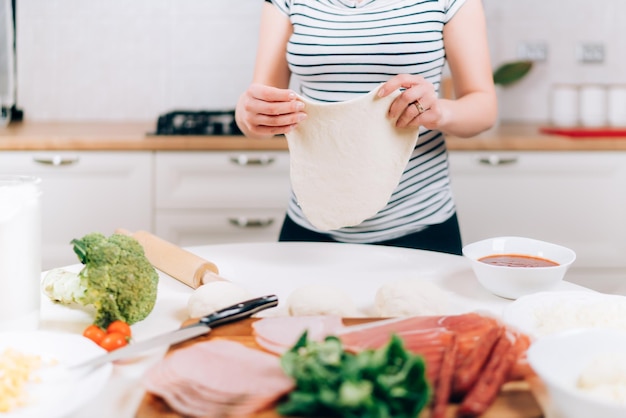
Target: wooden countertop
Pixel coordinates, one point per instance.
(128, 136)
(134, 136)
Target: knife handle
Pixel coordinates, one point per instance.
(239, 311)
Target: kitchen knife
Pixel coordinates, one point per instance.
(203, 326)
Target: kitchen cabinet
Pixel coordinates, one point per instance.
(576, 199)
(85, 192)
(220, 197)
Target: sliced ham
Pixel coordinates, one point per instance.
(218, 378)
(370, 334)
(278, 334)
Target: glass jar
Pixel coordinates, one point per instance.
(592, 105)
(616, 112)
(564, 105)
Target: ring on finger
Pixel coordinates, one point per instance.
(419, 107)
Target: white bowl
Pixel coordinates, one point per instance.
(514, 282)
(559, 361)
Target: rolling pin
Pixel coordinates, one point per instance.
(175, 261)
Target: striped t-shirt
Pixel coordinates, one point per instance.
(342, 49)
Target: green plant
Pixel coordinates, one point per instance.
(511, 72)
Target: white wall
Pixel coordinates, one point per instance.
(135, 59)
(562, 24)
(132, 59)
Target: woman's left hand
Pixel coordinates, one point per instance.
(417, 105)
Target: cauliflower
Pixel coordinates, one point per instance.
(117, 279)
(62, 286)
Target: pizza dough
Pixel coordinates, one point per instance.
(318, 299)
(408, 297)
(214, 296)
(346, 159)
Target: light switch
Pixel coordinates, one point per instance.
(532, 51)
(590, 52)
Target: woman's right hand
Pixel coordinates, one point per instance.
(264, 111)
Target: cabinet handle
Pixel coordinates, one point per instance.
(243, 222)
(244, 160)
(495, 160)
(56, 160)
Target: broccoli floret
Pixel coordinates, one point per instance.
(117, 279)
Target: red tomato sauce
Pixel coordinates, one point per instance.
(517, 260)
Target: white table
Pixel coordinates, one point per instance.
(276, 268)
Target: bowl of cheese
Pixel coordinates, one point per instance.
(584, 372)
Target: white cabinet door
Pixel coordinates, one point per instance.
(220, 197)
(188, 180)
(86, 192)
(577, 199)
(219, 226)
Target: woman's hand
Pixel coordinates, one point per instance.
(417, 105)
(264, 111)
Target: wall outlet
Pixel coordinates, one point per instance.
(589, 52)
(532, 51)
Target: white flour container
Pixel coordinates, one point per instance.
(20, 252)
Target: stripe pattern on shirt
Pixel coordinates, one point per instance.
(342, 49)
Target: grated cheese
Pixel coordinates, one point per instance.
(568, 315)
(16, 372)
(604, 378)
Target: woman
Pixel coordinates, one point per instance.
(336, 50)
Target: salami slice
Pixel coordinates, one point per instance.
(468, 356)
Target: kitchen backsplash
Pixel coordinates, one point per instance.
(562, 25)
(132, 59)
(136, 59)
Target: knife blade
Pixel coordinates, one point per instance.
(203, 326)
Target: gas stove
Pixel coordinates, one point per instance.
(183, 122)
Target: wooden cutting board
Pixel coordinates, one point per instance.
(514, 401)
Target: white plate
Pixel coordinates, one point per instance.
(547, 313)
(54, 396)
